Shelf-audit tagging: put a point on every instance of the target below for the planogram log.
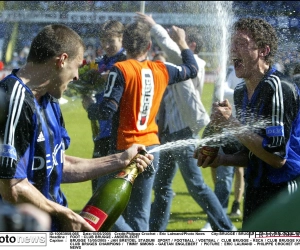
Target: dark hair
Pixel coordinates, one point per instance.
(261, 32)
(52, 41)
(136, 38)
(193, 35)
(111, 28)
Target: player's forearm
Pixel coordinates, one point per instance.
(190, 61)
(78, 169)
(254, 142)
(239, 159)
(166, 43)
(18, 191)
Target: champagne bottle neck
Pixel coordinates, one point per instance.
(211, 138)
(131, 171)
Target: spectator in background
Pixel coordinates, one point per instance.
(111, 35)
(15, 61)
(90, 53)
(22, 58)
(23, 54)
(181, 117)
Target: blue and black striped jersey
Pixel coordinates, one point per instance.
(273, 113)
(32, 139)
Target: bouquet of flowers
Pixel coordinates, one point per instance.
(90, 80)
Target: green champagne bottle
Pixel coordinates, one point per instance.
(110, 199)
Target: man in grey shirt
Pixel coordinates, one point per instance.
(186, 116)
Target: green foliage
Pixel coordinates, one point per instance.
(186, 215)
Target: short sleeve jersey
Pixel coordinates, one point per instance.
(32, 139)
(273, 113)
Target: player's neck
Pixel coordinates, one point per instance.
(254, 79)
(257, 75)
(140, 58)
(34, 78)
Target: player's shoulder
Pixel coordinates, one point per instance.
(8, 82)
(278, 77)
(240, 86)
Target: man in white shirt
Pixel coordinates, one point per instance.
(186, 116)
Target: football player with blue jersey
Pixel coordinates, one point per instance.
(267, 121)
(33, 137)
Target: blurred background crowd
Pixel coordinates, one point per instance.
(16, 36)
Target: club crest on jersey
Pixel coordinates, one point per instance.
(146, 98)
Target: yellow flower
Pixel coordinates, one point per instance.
(93, 65)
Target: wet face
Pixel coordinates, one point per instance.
(111, 45)
(244, 54)
(67, 72)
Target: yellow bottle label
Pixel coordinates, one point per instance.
(129, 173)
(210, 151)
